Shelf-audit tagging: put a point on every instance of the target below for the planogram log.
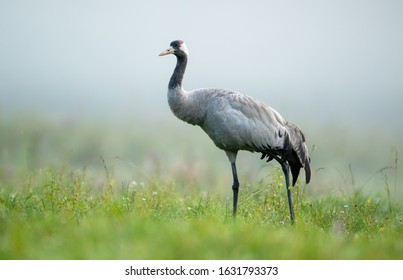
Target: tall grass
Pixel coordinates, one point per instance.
(65, 195)
(59, 215)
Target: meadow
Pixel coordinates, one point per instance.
(80, 190)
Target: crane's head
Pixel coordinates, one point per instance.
(177, 48)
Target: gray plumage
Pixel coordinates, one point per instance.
(236, 121)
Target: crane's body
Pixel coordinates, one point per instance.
(235, 121)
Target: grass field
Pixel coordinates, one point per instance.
(65, 193)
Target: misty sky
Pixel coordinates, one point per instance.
(331, 60)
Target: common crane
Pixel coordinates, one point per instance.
(236, 121)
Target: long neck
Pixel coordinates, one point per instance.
(183, 107)
(177, 75)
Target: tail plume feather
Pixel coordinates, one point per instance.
(299, 155)
(307, 170)
(295, 152)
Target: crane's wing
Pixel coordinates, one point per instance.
(235, 121)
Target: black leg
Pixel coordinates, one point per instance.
(235, 188)
(286, 170)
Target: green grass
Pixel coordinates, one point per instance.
(67, 191)
(58, 214)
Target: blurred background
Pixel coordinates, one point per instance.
(81, 81)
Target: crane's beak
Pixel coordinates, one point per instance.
(167, 51)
